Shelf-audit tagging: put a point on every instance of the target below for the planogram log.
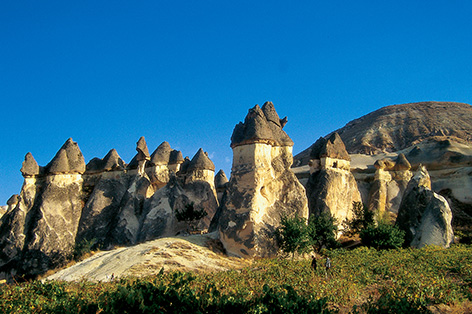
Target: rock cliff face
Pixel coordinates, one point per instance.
(106, 202)
(390, 181)
(262, 188)
(331, 187)
(424, 215)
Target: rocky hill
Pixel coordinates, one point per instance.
(434, 134)
(396, 127)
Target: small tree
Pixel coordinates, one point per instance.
(362, 219)
(383, 236)
(191, 215)
(292, 235)
(322, 231)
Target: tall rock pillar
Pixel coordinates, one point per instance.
(262, 187)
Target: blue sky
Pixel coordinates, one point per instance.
(107, 72)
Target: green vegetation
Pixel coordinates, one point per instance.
(383, 236)
(322, 231)
(362, 280)
(362, 219)
(83, 248)
(292, 235)
(295, 235)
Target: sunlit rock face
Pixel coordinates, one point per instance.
(105, 202)
(40, 231)
(262, 188)
(424, 215)
(390, 181)
(331, 187)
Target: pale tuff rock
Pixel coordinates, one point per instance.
(331, 187)
(390, 181)
(68, 159)
(30, 167)
(261, 189)
(424, 215)
(107, 202)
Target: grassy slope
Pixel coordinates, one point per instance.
(398, 279)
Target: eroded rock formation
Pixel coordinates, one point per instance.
(390, 181)
(424, 215)
(331, 187)
(262, 188)
(106, 202)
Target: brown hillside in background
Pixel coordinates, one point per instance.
(396, 127)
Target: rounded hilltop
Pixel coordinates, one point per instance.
(396, 127)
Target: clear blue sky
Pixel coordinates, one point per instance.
(107, 72)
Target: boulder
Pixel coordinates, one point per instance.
(424, 215)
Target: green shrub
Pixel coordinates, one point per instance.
(292, 235)
(383, 236)
(322, 231)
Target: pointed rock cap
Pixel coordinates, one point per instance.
(333, 147)
(220, 179)
(69, 159)
(402, 163)
(421, 178)
(384, 164)
(185, 165)
(141, 147)
(261, 126)
(13, 200)
(176, 157)
(201, 162)
(111, 161)
(161, 155)
(29, 167)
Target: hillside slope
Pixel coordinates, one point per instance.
(397, 127)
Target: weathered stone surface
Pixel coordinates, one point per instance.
(390, 181)
(333, 147)
(29, 167)
(402, 164)
(220, 179)
(69, 159)
(159, 212)
(14, 226)
(161, 156)
(331, 187)
(334, 191)
(384, 164)
(176, 157)
(13, 200)
(142, 156)
(141, 147)
(201, 162)
(261, 189)
(101, 209)
(261, 126)
(111, 162)
(126, 225)
(397, 127)
(50, 239)
(424, 215)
